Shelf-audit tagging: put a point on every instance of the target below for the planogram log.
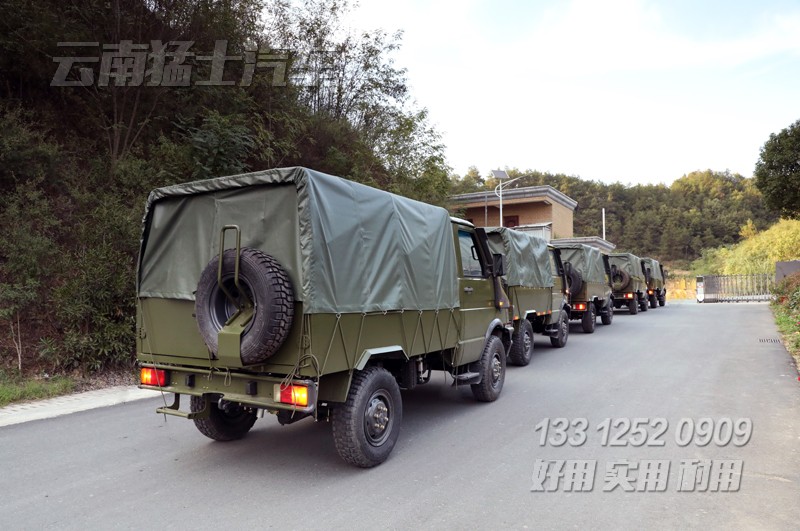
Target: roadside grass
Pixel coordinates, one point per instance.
(16, 388)
(786, 309)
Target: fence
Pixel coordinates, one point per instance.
(735, 288)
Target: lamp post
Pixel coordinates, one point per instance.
(498, 190)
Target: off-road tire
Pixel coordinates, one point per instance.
(574, 279)
(607, 317)
(653, 301)
(366, 426)
(522, 347)
(492, 367)
(643, 304)
(267, 285)
(222, 425)
(633, 306)
(589, 318)
(662, 300)
(560, 339)
(620, 280)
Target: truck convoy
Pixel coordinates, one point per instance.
(305, 295)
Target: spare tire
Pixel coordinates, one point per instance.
(574, 278)
(268, 287)
(620, 279)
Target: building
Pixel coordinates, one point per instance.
(542, 210)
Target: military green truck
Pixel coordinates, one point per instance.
(306, 295)
(656, 279)
(535, 284)
(588, 274)
(628, 282)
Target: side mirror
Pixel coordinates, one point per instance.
(499, 265)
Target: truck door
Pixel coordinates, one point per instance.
(477, 298)
(558, 283)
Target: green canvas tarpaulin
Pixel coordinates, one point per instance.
(527, 260)
(655, 268)
(346, 247)
(586, 259)
(628, 262)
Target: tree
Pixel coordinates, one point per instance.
(778, 171)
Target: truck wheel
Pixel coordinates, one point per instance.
(493, 371)
(633, 306)
(589, 319)
(574, 279)
(223, 424)
(366, 427)
(608, 316)
(560, 339)
(653, 301)
(643, 304)
(522, 347)
(266, 285)
(620, 280)
(662, 300)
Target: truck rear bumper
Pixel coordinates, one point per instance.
(254, 390)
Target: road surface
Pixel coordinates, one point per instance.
(458, 464)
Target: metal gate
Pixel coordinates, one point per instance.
(735, 288)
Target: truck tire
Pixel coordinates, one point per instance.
(266, 285)
(560, 339)
(492, 367)
(620, 280)
(662, 300)
(607, 317)
(522, 346)
(222, 425)
(653, 301)
(366, 426)
(633, 306)
(589, 319)
(574, 279)
(643, 304)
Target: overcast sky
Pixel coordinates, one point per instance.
(636, 91)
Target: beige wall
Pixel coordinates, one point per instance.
(562, 221)
(528, 213)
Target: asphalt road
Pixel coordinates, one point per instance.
(458, 464)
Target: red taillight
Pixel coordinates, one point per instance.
(580, 306)
(151, 376)
(650, 292)
(629, 295)
(297, 395)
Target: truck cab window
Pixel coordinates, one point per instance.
(470, 265)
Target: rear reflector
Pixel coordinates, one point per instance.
(150, 376)
(297, 395)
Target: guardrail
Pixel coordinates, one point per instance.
(735, 288)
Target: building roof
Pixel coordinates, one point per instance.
(532, 194)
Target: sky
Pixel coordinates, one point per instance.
(636, 91)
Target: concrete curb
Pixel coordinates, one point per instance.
(64, 405)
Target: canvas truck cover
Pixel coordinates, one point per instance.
(586, 259)
(630, 263)
(527, 258)
(346, 247)
(655, 270)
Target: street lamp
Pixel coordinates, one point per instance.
(498, 190)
